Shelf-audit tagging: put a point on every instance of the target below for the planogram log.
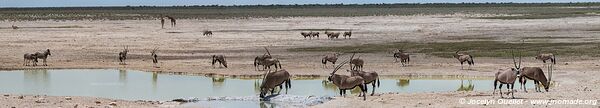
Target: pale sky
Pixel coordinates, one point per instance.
(84, 3)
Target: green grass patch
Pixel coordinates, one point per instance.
(476, 48)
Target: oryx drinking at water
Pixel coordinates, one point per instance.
(273, 79)
(537, 75)
(344, 82)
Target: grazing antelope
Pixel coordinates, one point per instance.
(43, 56)
(546, 56)
(508, 77)
(463, 57)
(315, 34)
(305, 34)
(123, 55)
(348, 33)
(220, 59)
(537, 75)
(369, 77)
(344, 82)
(173, 22)
(274, 79)
(27, 58)
(332, 35)
(404, 57)
(356, 64)
(162, 22)
(14, 27)
(207, 33)
(154, 57)
(330, 58)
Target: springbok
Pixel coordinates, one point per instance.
(154, 57)
(463, 57)
(43, 56)
(27, 58)
(123, 55)
(369, 77)
(404, 57)
(356, 64)
(537, 75)
(207, 33)
(348, 33)
(330, 58)
(344, 82)
(220, 59)
(508, 77)
(274, 79)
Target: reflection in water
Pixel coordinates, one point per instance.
(39, 79)
(264, 104)
(403, 82)
(256, 86)
(468, 87)
(123, 76)
(218, 81)
(154, 80)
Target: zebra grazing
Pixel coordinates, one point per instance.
(207, 33)
(43, 56)
(123, 55)
(348, 33)
(220, 59)
(404, 57)
(27, 58)
(154, 57)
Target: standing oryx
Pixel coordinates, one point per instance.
(369, 77)
(43, 56)
(220, 59)
(537, 75)
(508, 77)
(173, 21)
(258, 60)
(330, 58)
(14, 27)
(463, 57)
(154, 57)
(267, 61)
(348, 33)
(404, 57)
(27, 58)
(274, 79)
(356, 64)
(332, 35)
(344, 82)
(207, 33)
(123, 55)
(162, 22)
(546, 56)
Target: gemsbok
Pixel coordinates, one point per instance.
(29, 58)
(404, 57)
(348, 33)
(537, 75)
(546, 56)
(207, 33)
(344, 82)
(154, 57)
(306, 34)
(123, 55)
(462, 58)
(330, 58)
(43, 56)
(369, 77)
(356, 64)
(314, 34)
(508, 77)
(273, 79)
(220, 59)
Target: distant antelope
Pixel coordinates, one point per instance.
(207, 33)
(220, 59)
(508, 77)
(29, 58)
(356, 64)
(274, 79)
(404, 57)
(14, 27)
(462, 57)
(154, 57)
(332, 35)
(546, 56)
(314, 34)
(330, 58)
(348, 33)
(271, 62)
(258, 60)
(305, 34)
(369, 77)
(43, 56)
(344, 82)
(173, 21)
(537, 75)
(123, 55)
(162, 22)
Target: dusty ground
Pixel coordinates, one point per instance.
(37, 101)
(95, 44)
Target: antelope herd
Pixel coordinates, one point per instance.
(358, 78)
